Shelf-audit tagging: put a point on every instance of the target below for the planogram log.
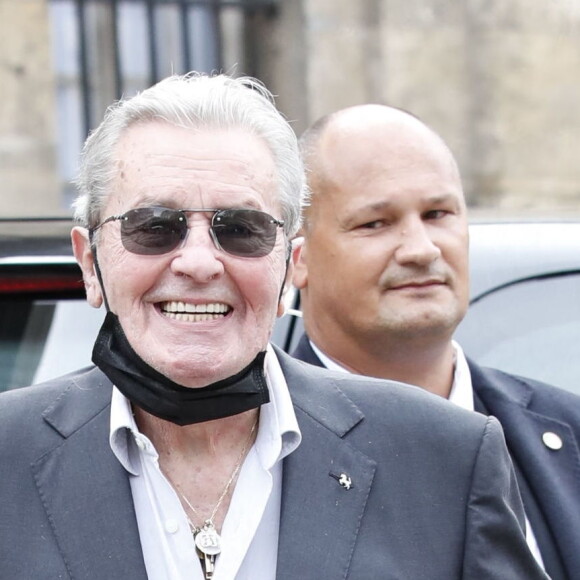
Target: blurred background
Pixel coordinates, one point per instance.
(498, 79)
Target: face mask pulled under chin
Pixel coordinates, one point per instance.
(160, 396)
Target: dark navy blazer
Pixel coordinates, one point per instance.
(549, 479)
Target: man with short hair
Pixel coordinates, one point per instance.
(193, 449)
(383, 279)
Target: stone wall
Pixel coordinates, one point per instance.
(498, 79)
(28, 177)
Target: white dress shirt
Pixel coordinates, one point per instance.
(461, 395)
(250, 530)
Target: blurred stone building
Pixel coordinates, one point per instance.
(28, 132)
(498, 79)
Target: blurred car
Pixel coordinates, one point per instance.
(524, 315)
(46, 326)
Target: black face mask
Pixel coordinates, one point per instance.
(158, 395)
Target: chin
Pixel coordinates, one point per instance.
(423, 325)
(439, 327)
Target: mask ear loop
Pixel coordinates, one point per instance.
(98, 271)
(288, 256)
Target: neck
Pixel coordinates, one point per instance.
(217, 438)
(429, 365)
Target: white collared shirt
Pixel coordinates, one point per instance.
(250, 530)
(461, 394)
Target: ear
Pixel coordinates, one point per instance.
(299, 255)
(84, 256)
(286, 295)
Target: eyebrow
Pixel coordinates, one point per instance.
(434, 199)
(380, 206)
(354, 214)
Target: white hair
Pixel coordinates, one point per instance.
(194, 100)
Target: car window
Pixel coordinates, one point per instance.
(529, 328)
(42, 339)
(23, 329)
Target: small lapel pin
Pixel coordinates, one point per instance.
(343, 479)
(552, 441)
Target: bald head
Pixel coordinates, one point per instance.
(348, 141)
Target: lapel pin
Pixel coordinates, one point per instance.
(343, 479)
(552, 441)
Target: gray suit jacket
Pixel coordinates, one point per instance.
(433, 493)
(549, 480)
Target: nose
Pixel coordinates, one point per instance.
(198, 258)
(416, 245)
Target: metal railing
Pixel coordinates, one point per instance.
(124, 45)
(106, 49)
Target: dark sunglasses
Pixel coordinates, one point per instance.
(153, 231)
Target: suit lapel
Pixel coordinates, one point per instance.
(86, 492)
(551, 476)
(319, 516)
(305, 352)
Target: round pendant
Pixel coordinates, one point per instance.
(208, 541)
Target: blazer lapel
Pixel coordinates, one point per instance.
(305, 352)
(326, 482)
(86, 492)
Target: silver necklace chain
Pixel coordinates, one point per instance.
(235, 472)
(207, 539)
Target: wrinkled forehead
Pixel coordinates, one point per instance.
(157, 161)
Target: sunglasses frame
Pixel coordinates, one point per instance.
(213, 222)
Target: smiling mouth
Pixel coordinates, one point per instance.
(194, 312)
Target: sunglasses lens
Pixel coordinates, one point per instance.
(245, 232)
(152, 231)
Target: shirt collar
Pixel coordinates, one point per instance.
(278, 434)
(326, 361)
(123, 431)
(461, 390)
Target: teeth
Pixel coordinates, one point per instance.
(192, 317)
(194, 312)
